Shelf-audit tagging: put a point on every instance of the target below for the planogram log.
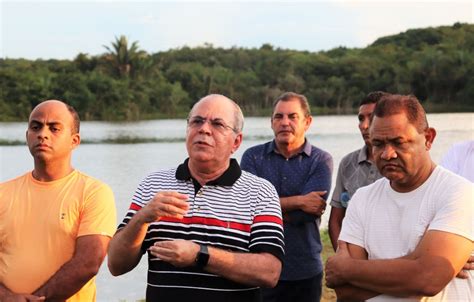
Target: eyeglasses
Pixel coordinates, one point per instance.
(196, 122)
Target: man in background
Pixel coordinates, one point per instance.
(357, 169)
(212, 231)
(56, 222)
(301, 174)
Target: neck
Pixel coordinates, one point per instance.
(204, 172)
(370, 156)
(51, 171)
(288, 150)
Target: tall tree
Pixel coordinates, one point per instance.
(123, 57)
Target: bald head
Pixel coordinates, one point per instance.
(59, 105)
(238, 122)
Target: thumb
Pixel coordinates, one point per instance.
(321, 193)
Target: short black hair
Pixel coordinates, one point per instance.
(391, 104)
(76, 124)
(372, 98)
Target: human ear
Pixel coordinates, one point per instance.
(76, 140)
(430, 135)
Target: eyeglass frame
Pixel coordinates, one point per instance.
(214, 123)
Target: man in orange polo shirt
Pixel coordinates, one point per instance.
(55, 222)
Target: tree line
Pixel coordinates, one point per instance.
(127, 83)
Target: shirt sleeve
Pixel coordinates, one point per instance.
(456, 210)
(247, 163)
(267, 227)
(339, 188)
(99, 216)
(450, 160)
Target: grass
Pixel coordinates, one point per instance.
(328, 294)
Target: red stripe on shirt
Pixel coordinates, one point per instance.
(135, 207)
(210, 222)
(268, 218)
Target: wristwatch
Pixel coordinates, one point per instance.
(202, 257)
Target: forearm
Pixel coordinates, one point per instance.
(334, 230)
(256, 269)
(291, 203)
(66, 282)
(7, 295)
(89, 253)
(349, 293)
(125, 247)
(396, 277)
(335, 224)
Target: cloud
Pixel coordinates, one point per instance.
(63, 29)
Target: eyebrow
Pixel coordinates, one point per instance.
(281, 113)
(53, 123)
(204, 118)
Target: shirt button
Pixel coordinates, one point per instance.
(199, 193)
(284, 177)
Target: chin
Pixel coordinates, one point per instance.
(393, 176)
(283, 140)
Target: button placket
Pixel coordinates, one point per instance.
(199, 194)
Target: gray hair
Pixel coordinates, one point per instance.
(238, 115)
(288, 96)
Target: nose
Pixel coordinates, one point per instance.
(285, 120)
(43, 133)
(364, 125)
(388, 153)
(205, 127)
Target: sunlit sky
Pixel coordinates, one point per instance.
(62, 29)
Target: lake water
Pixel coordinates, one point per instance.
(123, 166)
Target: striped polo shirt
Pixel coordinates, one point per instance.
(237, 212)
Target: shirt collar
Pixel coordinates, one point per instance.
(306, 148)
(228, 178)
(362, 155)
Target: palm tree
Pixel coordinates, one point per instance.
(122, 57)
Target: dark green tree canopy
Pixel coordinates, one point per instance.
(126, 83)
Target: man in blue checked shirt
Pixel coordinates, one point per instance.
(301, 174)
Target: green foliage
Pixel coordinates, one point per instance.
(126, 83)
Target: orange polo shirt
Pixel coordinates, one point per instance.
(39, 225)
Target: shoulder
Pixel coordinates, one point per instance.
(373, 190)
(14, 185)
(90, 183)
(257, 150)
(320, 154)
(464, 146)
(163, 174)
(352, 157)
(252, 181)
(15, 180)
(159, 179)
(446, 180)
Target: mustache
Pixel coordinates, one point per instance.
(202, 141)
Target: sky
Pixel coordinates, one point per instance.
(62, 29)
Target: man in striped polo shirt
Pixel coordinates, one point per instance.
(212, 232)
